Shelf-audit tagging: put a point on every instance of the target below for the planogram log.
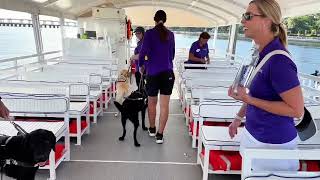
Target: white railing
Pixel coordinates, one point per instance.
(8, 70)
(13, 21)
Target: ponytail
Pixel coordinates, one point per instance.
(280, 31)
(283, 35)
(163, 32)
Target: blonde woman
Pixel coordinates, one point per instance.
(275, 95)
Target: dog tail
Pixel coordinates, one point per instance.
(118, 106)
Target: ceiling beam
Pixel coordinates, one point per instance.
(183, 6)
(214, 22)
(48, 3)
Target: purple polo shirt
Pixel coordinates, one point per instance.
(277, 75)
(136, 51)
(199, 52)
(159, 54)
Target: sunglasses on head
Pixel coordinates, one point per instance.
(248, 16)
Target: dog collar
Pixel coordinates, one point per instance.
(4, 143)
(134, 99)
(19, 163)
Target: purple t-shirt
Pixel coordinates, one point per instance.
(159, 54)
(276, 76)
(136, 51)
(199, 52)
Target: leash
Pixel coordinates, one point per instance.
(17, 127)
(140, 83)
(129, 72)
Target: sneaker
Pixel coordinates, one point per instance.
(152, 131)
(159, 138)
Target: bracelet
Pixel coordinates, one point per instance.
(239, 118)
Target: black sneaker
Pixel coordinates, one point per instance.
(159, 138)
(152, 131)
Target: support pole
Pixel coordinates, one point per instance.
(37, 36)
(62, 30)
(233, 35)
(215, 36)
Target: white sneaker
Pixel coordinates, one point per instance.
(152, 131)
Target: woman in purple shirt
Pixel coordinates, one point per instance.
(139, 32)
(157, 54)
(199, 51)
(275, 96)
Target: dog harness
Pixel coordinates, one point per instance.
(3, 143)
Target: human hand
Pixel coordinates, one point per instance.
(203, 61)
(4, 111)
(131, 59)
(141, 69)
(241, 93)
(233, 127)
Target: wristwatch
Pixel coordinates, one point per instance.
(239, 118)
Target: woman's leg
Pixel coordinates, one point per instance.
(166, 86)
(152, 111)
(164, 112)
(248, 141)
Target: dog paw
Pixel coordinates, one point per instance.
(144, 128)
(137, 144)
(121, 138)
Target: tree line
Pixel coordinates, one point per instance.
(308, 25)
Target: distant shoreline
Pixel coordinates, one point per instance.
(300, 41)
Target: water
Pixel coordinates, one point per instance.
(306, 58)
(17, 41)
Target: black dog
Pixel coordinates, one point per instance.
(132, 105)
(26, 151)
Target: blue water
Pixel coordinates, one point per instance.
(16, 41)
(306, 58)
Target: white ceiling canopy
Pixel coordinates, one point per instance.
(181, 13)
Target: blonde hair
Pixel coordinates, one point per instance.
(272, 10)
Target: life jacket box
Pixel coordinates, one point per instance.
(224, 160)
(73, 126)
(309, 166)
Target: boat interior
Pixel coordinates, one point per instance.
(71, 93)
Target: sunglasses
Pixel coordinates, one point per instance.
(248, 16)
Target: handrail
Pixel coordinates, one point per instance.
(26, 57)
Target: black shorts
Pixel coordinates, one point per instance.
(163, 81)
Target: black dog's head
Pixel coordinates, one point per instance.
(29, 150)
(33, 147)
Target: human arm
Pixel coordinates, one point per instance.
(291, 105)
(173, 48)
(134, 57)
(207, 56)
(145, 49)
(195, 59)
(233, 127)
(4, 111)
